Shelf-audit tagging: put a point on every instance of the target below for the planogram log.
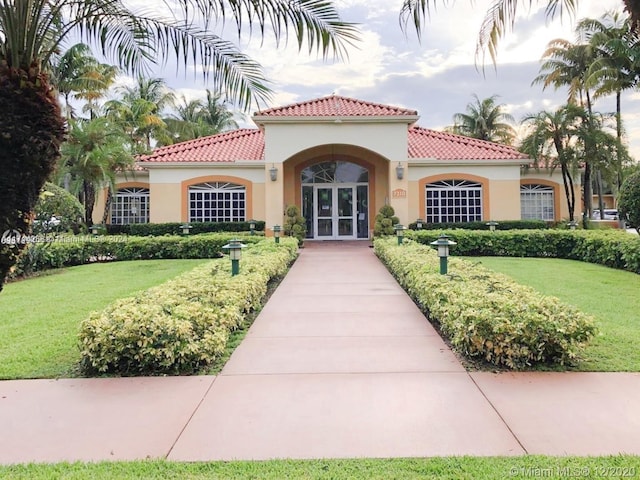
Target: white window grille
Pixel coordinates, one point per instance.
(130, 205)
(537, 202)
(453, 201)
(217, 202)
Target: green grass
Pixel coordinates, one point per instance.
(611, 296)
(458, 468)
(40, 316)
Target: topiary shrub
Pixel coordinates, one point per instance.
(294, 224)
(57, 211)
(385, 220)
(629, 201)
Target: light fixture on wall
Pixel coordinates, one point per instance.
(273, 173)
(400, 171)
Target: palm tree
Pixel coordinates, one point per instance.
(197, 118)
(139, 112)
(93, 153)
(32, 31)
(500, 18)
(485, 120)
(617, 67)
(552, 143)
(567, 64)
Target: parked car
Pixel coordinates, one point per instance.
(609, 214)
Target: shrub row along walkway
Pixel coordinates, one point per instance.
(340, 363)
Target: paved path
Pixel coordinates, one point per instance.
(340, 363)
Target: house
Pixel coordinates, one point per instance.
(340, 160)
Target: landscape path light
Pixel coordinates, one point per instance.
(572, 224)
(399, 232)
(492, 225)
(235, 254)
(443, 243)
(276, 232)
(95, 228)
(252, 227)
(419, 224)
(185, 228)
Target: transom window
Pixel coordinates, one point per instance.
(130, 205)
(536, 202)
(453, 201)
(335, 172)
(217, 202)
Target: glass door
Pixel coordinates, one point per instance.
(335, 212)
(324, 212)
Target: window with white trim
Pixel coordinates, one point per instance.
(536, 202)
(217, 202)
(130, 205)
(453, 201)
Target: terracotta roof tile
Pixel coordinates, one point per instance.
(426, 143)
(242, 144)
(336, 106)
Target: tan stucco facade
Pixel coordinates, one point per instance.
(379, 145)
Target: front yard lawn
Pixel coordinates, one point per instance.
(612, 296)
(40, 316)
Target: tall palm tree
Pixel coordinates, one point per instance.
(552, 143)
(33, 30)
(93, 153)
(485, 120)
(500, 18)
(566, 64)
(617, 67)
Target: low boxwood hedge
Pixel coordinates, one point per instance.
(611, 248)
(65, 251)
(485, 315)
(183, 324)
(175, 228)
(502, 225)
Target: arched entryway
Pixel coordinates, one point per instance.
(335, 200)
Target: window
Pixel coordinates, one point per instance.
(217, 202)
(453, 201)
(130, 205)
(536, 202)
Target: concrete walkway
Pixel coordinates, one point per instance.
(340, 363)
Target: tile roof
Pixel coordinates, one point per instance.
(426, 143)
(336, 106)
(242, 144)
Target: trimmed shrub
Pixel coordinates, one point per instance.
(57, 202)
(611, 248)
(502, 225)
(294, 224)
(183, 324)
(385, 221)
(174, 228)
(487, 316)
(66, 251)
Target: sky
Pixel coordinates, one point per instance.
(436, 76)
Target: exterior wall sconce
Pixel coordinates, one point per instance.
(572, 224)
(443, 243)
(276, 232)
(399, 232)
(252, 227)
(492, 225)
(400, 171)
(185, 228)
(235, 254)
(419, 224)
(273, 173)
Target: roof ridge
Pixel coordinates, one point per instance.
(342, 106)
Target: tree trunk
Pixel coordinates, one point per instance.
(89, 202)
(31, 132)
(599, 193)
(107, 205)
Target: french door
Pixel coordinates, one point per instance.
(335, 215)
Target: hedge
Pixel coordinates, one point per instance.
(502, 225)
(173, 228)
(182, 325)
(485, 315)
(611, 248)
(67, 250)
